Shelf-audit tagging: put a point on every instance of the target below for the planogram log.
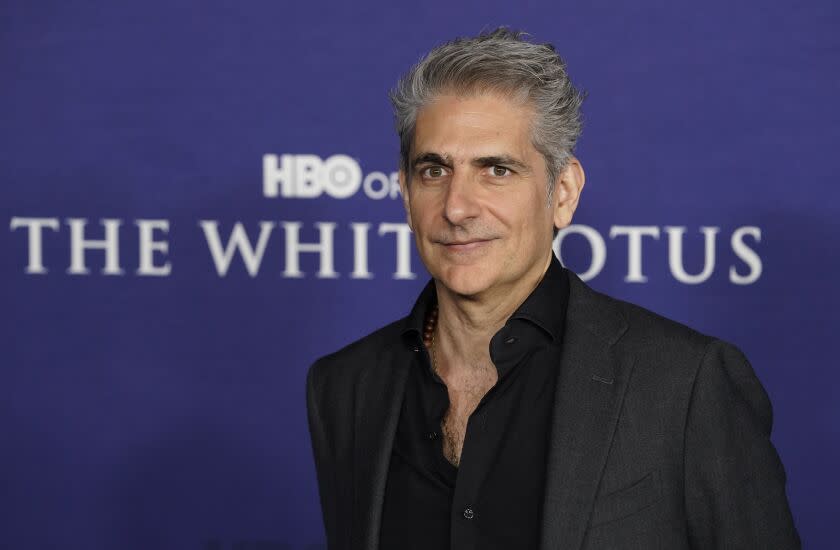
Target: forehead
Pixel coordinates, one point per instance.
(475, 125)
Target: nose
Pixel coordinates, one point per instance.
(460, 204)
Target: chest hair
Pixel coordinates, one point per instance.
(465, 392)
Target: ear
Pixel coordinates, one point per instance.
(405, 198)
(567, 190)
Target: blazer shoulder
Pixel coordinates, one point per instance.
(644, 331)
(345, 364)
(651, 327)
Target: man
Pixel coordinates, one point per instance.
(515, 407)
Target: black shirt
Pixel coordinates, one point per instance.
(494, 498)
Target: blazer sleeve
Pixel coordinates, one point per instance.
(734, 480)
(323, 454)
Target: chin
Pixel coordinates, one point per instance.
(466, 280)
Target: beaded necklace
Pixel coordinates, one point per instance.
(429, 334)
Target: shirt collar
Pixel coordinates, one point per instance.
(545, 307)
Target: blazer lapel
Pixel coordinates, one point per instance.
(590, 388)
(378, 401)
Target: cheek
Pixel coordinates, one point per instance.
(525, 218)
(425, 222)
(419, 212)
(534, 232)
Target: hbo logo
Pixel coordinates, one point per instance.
(308, 176)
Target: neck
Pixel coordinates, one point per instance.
(465, 324)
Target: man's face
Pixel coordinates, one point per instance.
(477, 199)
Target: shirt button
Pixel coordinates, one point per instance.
(468, 513)
(511, 340)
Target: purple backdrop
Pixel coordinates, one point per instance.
(159, 315)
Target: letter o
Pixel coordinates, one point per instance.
(596, 245)
(384, 184)
(341, 176)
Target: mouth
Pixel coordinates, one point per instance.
(466, 246)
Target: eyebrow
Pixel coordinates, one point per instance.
(482, 162)
(431, 158)
(504, 160)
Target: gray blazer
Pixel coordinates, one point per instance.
(660, 437)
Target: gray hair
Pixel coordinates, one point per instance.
(499, 61)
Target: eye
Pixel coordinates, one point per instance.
(500, 171)
(432, 172)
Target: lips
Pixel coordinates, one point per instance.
(466, 246)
